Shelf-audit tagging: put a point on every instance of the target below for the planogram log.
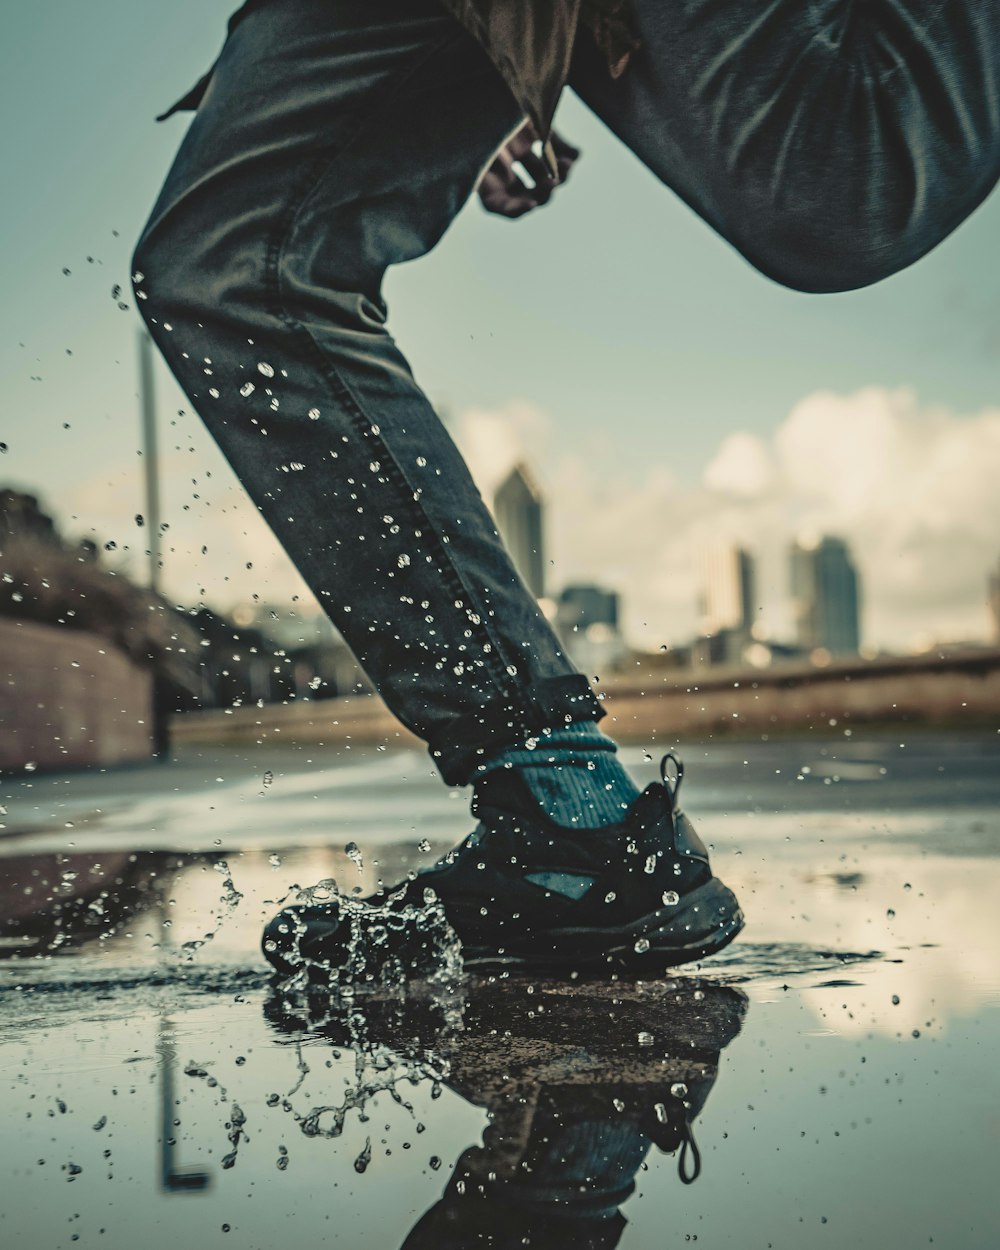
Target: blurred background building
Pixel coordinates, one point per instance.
(587, 624)
(826, 596)
(727, 606)
(519, 512)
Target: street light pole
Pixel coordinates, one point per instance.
(147, 397)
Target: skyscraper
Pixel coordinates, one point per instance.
(826, 596)
(518, 507)
(728, 595)
(587, 623)
(582, 606)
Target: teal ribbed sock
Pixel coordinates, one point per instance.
(574, 774)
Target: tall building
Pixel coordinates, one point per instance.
(728, 595)
(825, 596)
(518, 509)
(580, 607)
(587, 623)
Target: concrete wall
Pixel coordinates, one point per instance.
(956, 690)
(952, 690)
(69, 698)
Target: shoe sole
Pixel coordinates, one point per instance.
(704, 922)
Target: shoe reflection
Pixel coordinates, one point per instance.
(579, 1080)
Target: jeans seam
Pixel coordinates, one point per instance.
(497, 659)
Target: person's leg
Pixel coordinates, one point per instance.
(833, 142)
(335, 139)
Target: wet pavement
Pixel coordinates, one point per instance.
(829, 1080)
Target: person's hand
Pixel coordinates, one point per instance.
(518, 179)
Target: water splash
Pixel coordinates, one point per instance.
(373, 944)
(230, 900)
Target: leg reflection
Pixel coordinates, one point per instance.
(579, 1082)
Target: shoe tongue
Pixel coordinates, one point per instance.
(654, 806)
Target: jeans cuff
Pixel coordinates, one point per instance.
(459, 747)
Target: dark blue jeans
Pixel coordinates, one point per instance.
(831, 141)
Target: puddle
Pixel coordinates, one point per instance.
(827, 1080)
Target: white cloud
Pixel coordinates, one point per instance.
(492, 442)
(743, 466)
(913, 491)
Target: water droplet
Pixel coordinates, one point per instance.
(354, 855)
(610, 896)
(313, 414)
(661, 1112)
(650, 863)
(264, 368)
(679, 1089)
(423, 845)
(645, 1039)
(365, 1157)
(670, 898)
(247, 389)
(641, 946)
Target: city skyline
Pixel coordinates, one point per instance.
(496, 445)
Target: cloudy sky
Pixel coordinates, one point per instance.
(666, 395)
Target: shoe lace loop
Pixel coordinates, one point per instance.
(688, 1176)
(672, 774)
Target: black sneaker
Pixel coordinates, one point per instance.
(524, 892)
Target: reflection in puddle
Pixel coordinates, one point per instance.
(173, 1177)
(579, 1082)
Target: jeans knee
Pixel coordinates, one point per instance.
(143, 260)
(824, 261)
(182, 268)
(159, 277)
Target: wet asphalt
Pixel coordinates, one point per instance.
(830, 1079)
